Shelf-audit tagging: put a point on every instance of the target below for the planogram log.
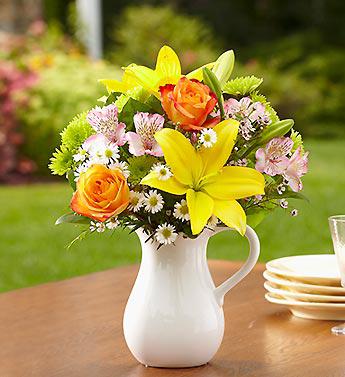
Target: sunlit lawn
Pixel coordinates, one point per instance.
(33, 249)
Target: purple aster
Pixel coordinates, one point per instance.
(142, 141)
(104, 120)
(273, 159)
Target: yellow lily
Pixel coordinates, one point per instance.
(127, 83)
(210, 187)
(167, 71)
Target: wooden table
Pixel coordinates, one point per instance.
(74, 328)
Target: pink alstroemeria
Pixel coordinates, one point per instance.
(104, 120)
(273, 159)
(298, 166)
(143, 141)
(240, 108)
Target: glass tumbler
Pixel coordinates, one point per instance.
(337, 227)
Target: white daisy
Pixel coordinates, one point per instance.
(122, 165)
(101, 150)
(81, 169)
(212, 221)
(112, 223)
(135, 201)
(166, 234)
(97, 226)
(80, 156)
(153, 201)
(208, 137)
(162, 171)
(181, 210)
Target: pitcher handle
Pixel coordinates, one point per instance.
(254, 253)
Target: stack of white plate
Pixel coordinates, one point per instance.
(309, 285)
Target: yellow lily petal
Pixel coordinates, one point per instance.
(180, 155)
(231, 214)
(215, 157)
(114, 85)
(127, 83)
(171, 185)
(146, 77)
(197, 73)
(235, 182)
(200, 207)
(168, 64)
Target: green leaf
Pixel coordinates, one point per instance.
(72, 218)
(276, 129)
(242, 86)
(131, 107)
(256, 216)
(71, 181)
(80, 237)
(155, 104)
(223, 67)
(112, 97)
(213, 83)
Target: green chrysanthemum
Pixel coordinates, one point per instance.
(139, 167)
(77, 131)
(61, 162)
(242, 85)
(297, 140)
(72, 137)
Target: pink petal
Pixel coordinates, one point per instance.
(136, 147)
(260, 160)
(294, 182)
(156, 150)
(120, 134)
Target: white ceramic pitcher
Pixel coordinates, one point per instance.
(174, 316)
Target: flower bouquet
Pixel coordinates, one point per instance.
(173, 154)
(177, 158)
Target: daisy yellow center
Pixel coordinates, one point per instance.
(207, 137)
(166, 233)
(163, 172)
(108, 153)
(153, 201)
(135, 200)
(184, 209)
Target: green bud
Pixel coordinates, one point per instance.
(223, 67)
(276, 129)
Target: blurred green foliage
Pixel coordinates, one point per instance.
(67, 87)
(307, 87)
(141, 31)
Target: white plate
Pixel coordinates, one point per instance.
(312, 269)
(270, 287)
(295, 286)
(311, 310)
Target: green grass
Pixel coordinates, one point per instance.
(32, 249)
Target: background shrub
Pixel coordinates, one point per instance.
(66, 88)
(141, 31)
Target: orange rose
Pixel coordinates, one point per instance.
(188, 104)
(101, 193)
